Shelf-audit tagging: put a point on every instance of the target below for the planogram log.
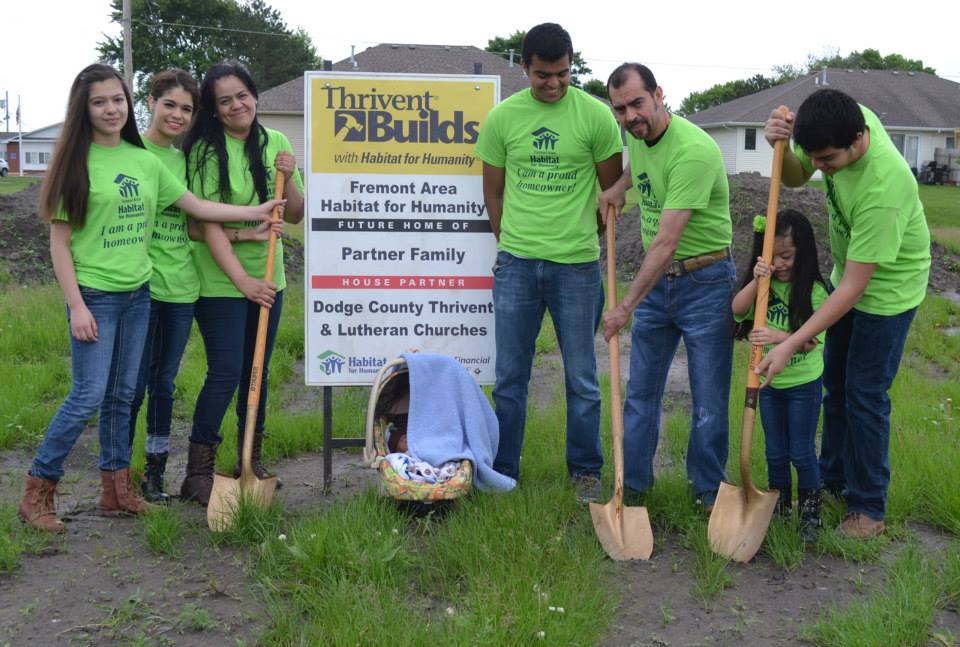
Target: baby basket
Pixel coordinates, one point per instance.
(387, 413)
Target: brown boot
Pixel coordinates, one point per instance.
(256, 461)
(199, 481)
(118, 495)
(37, 507)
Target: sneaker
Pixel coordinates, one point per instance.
(587, 488)
(705, 501)
(857, 525)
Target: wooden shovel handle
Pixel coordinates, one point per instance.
(760, 312)
(616, 407)
(259, 349)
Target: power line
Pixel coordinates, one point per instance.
(163, 23)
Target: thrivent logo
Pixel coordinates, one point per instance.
(378, 117)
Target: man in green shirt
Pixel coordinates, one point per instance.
(881, 252)
(683, 288)
(543, 151)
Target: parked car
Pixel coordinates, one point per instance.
(4, 167)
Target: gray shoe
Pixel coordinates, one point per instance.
(587, 488)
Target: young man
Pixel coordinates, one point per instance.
(543, 150)
(881, 253)
(684, 286)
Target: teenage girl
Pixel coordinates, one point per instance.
(233, 159)
(790, 405)
(100, 195)
(174, 285)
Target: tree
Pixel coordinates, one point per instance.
(868, 59)
(195, 35)
(503, 46)
(597, 88)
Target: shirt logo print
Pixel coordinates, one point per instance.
(129, 186)
(545, 139)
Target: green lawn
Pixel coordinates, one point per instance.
(12, 184)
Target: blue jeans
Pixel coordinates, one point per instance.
(104, 378)
(523, 289)
(861, 358)
(790, 419)
(166, 339)
(228, 326)
(694, 306)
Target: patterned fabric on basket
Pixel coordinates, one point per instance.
(395, 486)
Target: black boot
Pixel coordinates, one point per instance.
(809, 504)
(152, 485)
(198, 484)
(256, 463)
(783, 503)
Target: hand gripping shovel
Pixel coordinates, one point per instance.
(623, 532)
(227, 490)
(741, 515)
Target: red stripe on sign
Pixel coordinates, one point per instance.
(380, 282)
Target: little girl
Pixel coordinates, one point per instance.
(100, 195)
(790, 405)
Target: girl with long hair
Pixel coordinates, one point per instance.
(100, 195)
(790, 405)
(232, 158)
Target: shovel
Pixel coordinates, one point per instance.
(623, 532)
(227, 490)
(741, 515)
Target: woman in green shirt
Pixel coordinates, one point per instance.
(232, 158)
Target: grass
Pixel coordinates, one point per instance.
(13, 183)
(163, 530)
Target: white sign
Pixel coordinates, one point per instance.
(399, 250)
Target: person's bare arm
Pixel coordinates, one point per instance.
(257, 290)
(655, 262)
(293, 211)
(211, 211)
(776, 128)
(83, 326)
(494, 179)
(856, 276)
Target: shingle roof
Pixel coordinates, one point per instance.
(900, 99)
(422, 59)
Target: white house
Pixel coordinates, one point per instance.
(37, 149)
(921, 112)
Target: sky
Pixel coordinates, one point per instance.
(689, 45)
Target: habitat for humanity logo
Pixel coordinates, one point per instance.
(643, 185)
(403, 118)
(545, 139)
(129, 186)
(331, 363)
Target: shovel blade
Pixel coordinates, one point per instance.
(227, 492)
(624, 534)
(739, 521)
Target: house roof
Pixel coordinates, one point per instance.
(900, 99)
(405, 58)
(47, 133)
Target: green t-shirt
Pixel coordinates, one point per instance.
(174, 277)
(550, 152)
(251, 254)
(876, 217)
(128, 185)
(804, 366)
(683, 170)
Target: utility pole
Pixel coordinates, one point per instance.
(127, 45)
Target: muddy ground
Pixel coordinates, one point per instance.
(100, 585)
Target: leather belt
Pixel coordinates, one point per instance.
(683, 266)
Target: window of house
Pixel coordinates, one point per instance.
(29, 157)
(908, 145)
(44, 157)
(951, 142)
(750, 139)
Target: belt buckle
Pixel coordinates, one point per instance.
(675, 269)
